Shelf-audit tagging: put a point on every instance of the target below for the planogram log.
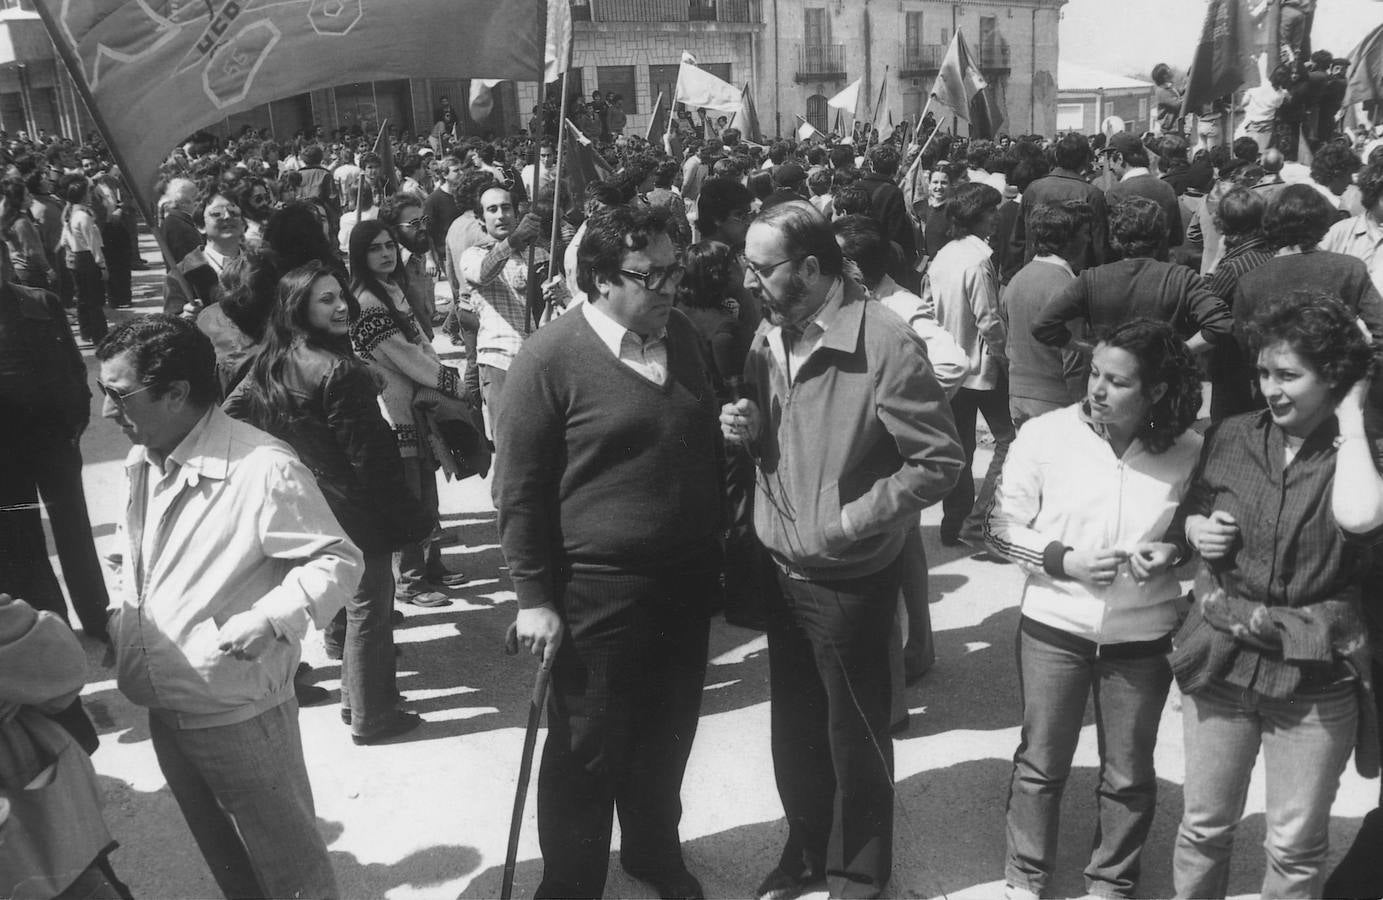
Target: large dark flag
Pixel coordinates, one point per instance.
(1224, 56)
(1365, 83)
(961, 87)
(747, 119)
(154, 71)
(582, 164)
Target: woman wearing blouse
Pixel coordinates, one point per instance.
(1283, 506)
(82, 251)
(1087, 494)
(387, 337)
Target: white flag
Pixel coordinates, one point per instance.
(699, 89)
(559, 39)
(806, 131)
(848, 99)
(482, 102)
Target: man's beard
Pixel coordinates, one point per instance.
(783, 309)
(420, 243)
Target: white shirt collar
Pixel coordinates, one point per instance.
(610, 332)
(1135, 172)
(1054, 260)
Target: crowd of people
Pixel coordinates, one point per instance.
(725, 379)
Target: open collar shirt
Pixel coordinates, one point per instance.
(646, 356)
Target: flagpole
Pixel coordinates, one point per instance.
(557, 173)
(78, 77)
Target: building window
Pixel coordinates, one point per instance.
(620, 80)
(661, 80)
(1070, 117)
(912, 45)
(816, 112)
(818, 30)
(1142, 110)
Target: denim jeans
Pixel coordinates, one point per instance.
(1128, 695)
(1306, 743)
(244, 792)
(415, 561)
(957, 506)
(367, 660)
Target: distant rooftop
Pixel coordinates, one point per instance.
(1071, 76)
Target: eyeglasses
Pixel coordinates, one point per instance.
(420, 222)
(655, 279)
(387, 245)
(118, 398)
(765, 271)
(224, 212)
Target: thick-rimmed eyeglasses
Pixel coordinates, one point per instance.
(117, 397)
(765, 271)
(655, 279)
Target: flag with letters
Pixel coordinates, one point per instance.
(1224, 56)
(155, 71)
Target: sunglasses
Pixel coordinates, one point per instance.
(420, 222)
(118, 398)
(655, 279)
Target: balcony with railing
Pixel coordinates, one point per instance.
(926, 59)
(823, 62)
(734, 11)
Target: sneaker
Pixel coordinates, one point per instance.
(424, 599)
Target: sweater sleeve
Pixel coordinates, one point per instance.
(914, 411)
(1207, 313)
(1008, 523)
(982, 287)
(1049, 327)
(530, 436)
(423, 369)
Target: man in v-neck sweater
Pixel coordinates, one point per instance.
(608, 489)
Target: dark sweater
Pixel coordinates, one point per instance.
(600, 469)
(1116, 292)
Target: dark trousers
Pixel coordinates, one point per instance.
(1360, 873)
(116, 246)
(832, 754)
(622, 712)
(957, 505)
(35, 463)
(91, 293)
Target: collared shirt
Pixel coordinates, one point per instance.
(1052, 259)
(790, 357)
(216, 259)
(647, 356)
(1362, 238)
(1135, 172)
(236, 523)
(965, 290)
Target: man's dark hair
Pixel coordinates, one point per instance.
(1298, 217)
(165, 349)
(1135, 156)
(311, 155)
(370, 159)
(1138, 226)
(1072, 152)
(841, 157)
(852, 200)
(970, 202)
(805, 232)
(977, 157)
(884, 160)
(719, 198)
(1334, 163)
(665, 173)
(1370, 183)
(473, 183)
(778, 153)
(731, 137)
(613, 234)
(1245, 148)
(389, 210)
(1173, 148)
(1240, 213)
(1053, 225)
(817, 156)
(862, 240)
(479, 208)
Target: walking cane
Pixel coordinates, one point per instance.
(530, 739)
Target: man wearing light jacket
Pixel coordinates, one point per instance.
(833, 506)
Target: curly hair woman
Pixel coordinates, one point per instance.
(1087, 493)
(1284, 507)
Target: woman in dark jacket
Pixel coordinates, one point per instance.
(308, 389)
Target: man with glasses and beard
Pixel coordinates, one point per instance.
(607, 481)
(403, 215)
(833, 505)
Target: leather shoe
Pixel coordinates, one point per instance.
(395, 617)
(448, 578)
(670, 884)
(781, 885)
(425, 599)
(401, 723)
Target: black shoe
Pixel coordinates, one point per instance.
(396, 617)
(671, 884)
(401, 723)
(780, 885)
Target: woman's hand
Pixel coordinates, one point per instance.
(1098, 567)
(1151, 558)
(1212, 536)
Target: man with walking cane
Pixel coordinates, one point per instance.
(608, 489)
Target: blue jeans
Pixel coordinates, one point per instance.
(1055, 681)
(367, 661)
(1306, 742)
(244, 792)
(415, 562)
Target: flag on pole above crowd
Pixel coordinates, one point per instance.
(957, 85)
(699, 89)
(658, 122)
(1364, 83)
(806, 131)
(882, 113)
(848, 100)
(482, 99)
(560, 36)
(747, 119)
(582, 163)
(1224, 58)
(151, 74)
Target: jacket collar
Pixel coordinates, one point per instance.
(203, 453)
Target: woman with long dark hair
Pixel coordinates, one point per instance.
(306, 388)
(388, 338)
(21, 236)
(1087, 495)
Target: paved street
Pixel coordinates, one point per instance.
(428, 817)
